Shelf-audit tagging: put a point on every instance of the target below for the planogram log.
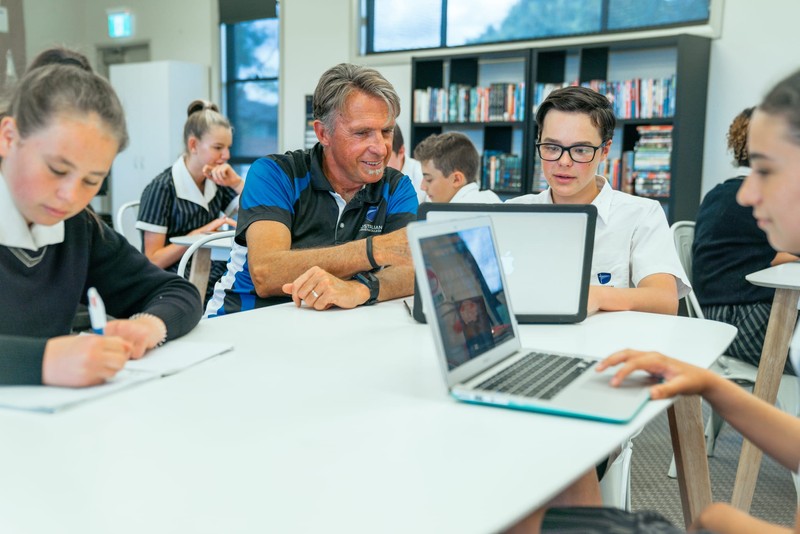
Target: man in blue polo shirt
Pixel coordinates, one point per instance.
(326, 226)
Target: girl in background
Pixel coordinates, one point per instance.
(195, 195)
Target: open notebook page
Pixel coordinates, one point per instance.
(163, 361)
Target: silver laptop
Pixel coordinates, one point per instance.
(545, 251)
(463, 288)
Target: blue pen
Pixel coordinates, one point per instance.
(97, 311)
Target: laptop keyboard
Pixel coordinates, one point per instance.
(537, 375)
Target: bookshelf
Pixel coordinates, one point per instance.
(659, 83)
(483, 96)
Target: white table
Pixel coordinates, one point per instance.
(216, 250)
(332, 421)
(220, 249)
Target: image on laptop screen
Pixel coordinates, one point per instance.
(468, 295)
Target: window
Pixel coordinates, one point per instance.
(393, 25)
(250, 78)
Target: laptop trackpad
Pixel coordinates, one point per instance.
(594, 389)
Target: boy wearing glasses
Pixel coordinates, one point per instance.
(635, 265)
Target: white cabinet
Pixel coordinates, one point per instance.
(155, 96)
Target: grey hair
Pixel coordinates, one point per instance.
(201, 117)
(336, 84)
(50, 90)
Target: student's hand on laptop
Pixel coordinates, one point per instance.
(320, 290)
(392, 248)
(78, 361)
(680, 378)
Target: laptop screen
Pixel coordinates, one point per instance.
(469, 299)
(545, 251)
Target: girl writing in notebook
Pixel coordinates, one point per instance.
(63, 128)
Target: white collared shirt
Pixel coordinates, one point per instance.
(413, 169)
(632, 239)
(471, 194)
(186, 188)
(15, 232)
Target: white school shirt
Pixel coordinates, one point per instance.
(16, 233)
(413, 169)
(471, 194)
(631, 241)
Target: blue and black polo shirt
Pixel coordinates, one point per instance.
(291, 189)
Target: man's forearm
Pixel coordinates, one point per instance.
(396, 281)
(271, 269)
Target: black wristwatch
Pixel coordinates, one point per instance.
(372, 283)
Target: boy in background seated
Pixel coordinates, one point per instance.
(450, 166)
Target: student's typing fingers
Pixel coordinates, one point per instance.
(679, 377)
(633, 360)
(616, 358)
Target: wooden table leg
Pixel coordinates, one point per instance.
(781, 324)
(201, 267)
(689, 446)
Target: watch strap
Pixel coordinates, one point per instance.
(373, 284)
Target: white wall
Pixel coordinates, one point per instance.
(758, 47)
(314, 36)
(182, 30)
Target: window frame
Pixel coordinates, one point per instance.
(367, 23)
(230, 83)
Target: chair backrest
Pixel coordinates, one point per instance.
(683, 236)
(125, 223)
(197, 245)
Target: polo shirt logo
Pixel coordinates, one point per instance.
(372, 212)
(371, 228)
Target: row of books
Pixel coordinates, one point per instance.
(620, 174)
(500, 102)
(651, 160)
(501, 171)
(645, 170)
(644, 98)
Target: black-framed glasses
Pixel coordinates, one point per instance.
(578, 153)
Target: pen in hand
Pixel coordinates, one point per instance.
(97, 311)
